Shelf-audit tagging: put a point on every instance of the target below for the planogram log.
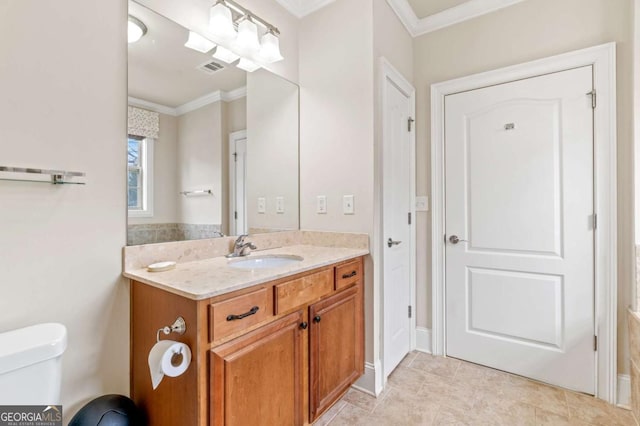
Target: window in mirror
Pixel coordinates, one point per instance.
(139, 176)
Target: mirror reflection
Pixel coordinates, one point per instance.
(212, 149)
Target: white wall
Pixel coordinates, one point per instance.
(272, 150)
(200, 154)
(336, 124)
(60, 247)
(165, 174)
(521, 33)
(236, 115)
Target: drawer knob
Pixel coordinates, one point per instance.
(304, 325)
(352, 274)
(252, 311)
(317, 319)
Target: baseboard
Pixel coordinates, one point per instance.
(371, 381)
(624, 391)
(423, 340)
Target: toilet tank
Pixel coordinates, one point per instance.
(31, 364)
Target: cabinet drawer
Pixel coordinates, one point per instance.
(298, 292)
(348, 274)
(236, 314)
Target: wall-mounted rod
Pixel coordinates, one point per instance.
(198, 192)
(57, 176)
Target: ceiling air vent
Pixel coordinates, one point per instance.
(211, 67)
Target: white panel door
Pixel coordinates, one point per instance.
(519, 197)
(237, 182)
(397, 157)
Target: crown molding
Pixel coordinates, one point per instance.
(199, 102)
(469, 10)
(302, 8)
(235, 94)
(151, 106)
(193, 105)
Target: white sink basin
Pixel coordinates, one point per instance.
(266, 261)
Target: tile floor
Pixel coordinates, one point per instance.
(428, 390)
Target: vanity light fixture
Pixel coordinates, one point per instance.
(221, 21)
(270, 48)
(247, 65)
(247, 43)
(256, 41)
(199, 43)
(135, 29)
(225, 55)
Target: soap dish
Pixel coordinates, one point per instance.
(161, 266)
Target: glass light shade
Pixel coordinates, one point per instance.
(135, 29)
(199, 43)
(225, 55)
(270, 48)
(221, 22)
(248, 65)
(247, 42)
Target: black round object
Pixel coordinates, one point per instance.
(109, 410)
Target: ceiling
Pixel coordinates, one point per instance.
(424, 8)
(163, 71)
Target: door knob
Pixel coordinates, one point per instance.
(392, 243)
(455, 240)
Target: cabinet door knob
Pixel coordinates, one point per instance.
(304, 325)
(317, 319)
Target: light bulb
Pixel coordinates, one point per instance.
(270, 48)
(248, 65)
(247, 42)
(221, 22)
(199, 43)
(225, 55)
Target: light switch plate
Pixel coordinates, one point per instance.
(347, 204)
(262, 205)
(422, 203)
(321, 207)
(280, 205)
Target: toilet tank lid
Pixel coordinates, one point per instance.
(30, 345)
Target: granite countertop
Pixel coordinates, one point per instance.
(207, 278)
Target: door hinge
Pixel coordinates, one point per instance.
(409, 216)
(409, 311)
(235, 215)
(411, 121)
(235, 156)
(594, 98)
(595, 343)
(595, 221)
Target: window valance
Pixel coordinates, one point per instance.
(143, 123)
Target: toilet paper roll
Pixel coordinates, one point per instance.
(169, 358)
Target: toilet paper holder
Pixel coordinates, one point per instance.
(179, 326)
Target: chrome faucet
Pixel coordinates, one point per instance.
(240, 248)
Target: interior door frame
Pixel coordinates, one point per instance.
(603, 60)
(389, 73)
(233, 138)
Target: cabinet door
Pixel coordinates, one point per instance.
(256, 379)
(336, 348)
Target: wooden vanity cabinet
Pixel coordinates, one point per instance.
(336, 358)
(256, 379)
(279, 353)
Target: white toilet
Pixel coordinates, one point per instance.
(31, 364)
